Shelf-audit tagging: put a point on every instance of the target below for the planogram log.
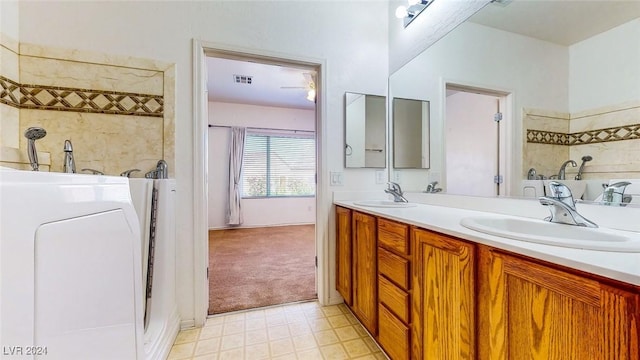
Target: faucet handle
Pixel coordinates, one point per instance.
(127, 173)
(93, 171)
(562, 193)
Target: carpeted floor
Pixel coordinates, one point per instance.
(250, 268)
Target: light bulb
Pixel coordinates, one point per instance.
(413, 2)
(311, 95)
(401, 12)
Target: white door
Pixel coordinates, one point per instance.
(472, 144)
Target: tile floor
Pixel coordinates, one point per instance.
(303, 331)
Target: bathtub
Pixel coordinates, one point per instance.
(70, 267)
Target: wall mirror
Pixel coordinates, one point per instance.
(410, 119)
(559, 63)
(365, 131)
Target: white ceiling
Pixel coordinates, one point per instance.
(271, 85)
(563, 22)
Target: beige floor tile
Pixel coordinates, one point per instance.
(332, 310)
(256, 336)
(299, 328)
(313, 313)
(281, 347)
(257, 351)
(278, 332)
(208, 332)
(346, 333)
(338, 321)
(213, 356)
(255, 314)
(215, 320)
(304, 342)
(207, 346)
(326, 337)
(232, 341)
(277, 319)
(233, 354)
(255, 323)
(234, 327)
(311, 354)
(182, 351)
(319, 324)
(334, 352)
(356, 348)
(361, 331)
(187, 336)
(371, 344)
(291, 356)
(234, 317)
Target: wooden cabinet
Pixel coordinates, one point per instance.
(533, 311)
(364, 285)
(394, 289)
(343, 254)
(443, 308)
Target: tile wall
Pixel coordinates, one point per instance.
(117, 111)
(611, 135)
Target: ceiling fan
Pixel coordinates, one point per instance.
(310, 86)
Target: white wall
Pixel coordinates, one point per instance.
(256, 212)
(609, 85)
(476, 55)
(352, 38)
(9, 15)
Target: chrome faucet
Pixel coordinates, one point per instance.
(614, 194)
(160, 172)
(431, 188)
(93, 171)
(563, 207)
(395, 190)
(561, 175)
(69, 162)
(127, 173)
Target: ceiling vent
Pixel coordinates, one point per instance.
(242, 79)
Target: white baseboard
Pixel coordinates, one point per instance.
(255, 226)
(187, 324)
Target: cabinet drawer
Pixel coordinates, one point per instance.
(394, 267)
(393, 335)
(394, 298)
(393, 235)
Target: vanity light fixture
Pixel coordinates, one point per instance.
(311, 94)
(408, 13)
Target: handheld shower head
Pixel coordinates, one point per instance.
(584, 160)
(32, 134)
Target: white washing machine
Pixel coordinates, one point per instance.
(70, 267)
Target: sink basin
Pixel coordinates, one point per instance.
(544, 232)
(384, 203)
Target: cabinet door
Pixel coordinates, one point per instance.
(531, 311)
(443, 306)
(365, 294)
(343, 253)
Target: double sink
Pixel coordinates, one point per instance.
(539, 231)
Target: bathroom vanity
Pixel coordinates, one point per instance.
(427, 288)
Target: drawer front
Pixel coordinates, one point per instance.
(394, 267)
(393, 335)
(394, 298)
(393, 235)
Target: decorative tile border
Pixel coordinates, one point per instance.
(619, 133)
(79, 100)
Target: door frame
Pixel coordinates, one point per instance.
(505, 141)
(200, 167)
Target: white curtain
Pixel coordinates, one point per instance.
(236, 152)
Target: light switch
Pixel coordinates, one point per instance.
(380, 177)
(336, 178)
(396, 176)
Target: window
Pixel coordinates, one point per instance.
(278, 165)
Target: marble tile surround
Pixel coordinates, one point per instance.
(611, 135)
(117, 111)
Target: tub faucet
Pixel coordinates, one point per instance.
(395, 190)
(614, 194)
(69, 162)
(431, 188)
(584, 160)
(563, 207)
(561, 175)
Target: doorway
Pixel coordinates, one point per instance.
(270, 258)
(474, 141)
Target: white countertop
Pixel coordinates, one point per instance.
(620, 266)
